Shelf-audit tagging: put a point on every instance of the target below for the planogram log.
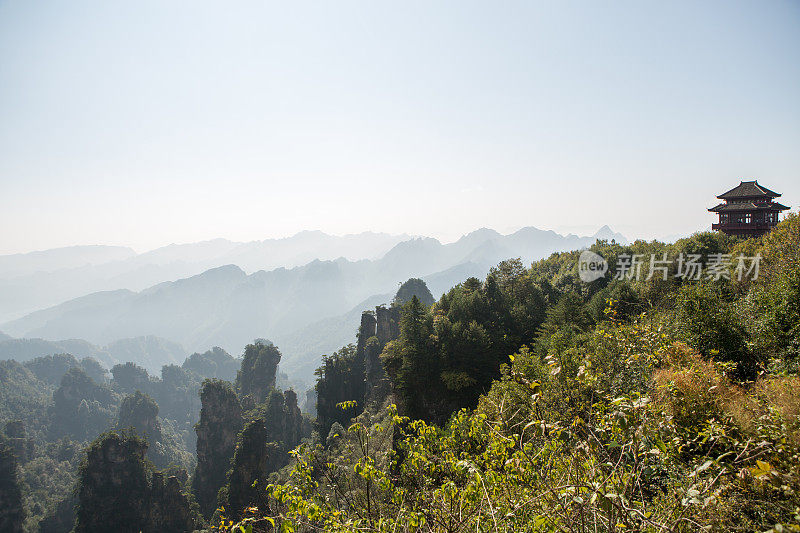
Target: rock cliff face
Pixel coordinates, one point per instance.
(139, 413)
(388, 324)
(113, 492)
(366, 330)
(115, 495)
(354, 379)
(259, 367)
(310, 405)
(276, 427)
(245, 484)
(285, 425)
(12, 513)
(375, 332)
(220, 423)
(380, 328)
(169, 509)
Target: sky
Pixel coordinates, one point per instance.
(146, 123)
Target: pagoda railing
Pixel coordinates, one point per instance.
(751, 225)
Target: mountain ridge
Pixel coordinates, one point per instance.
(227, 307)
(25, 289)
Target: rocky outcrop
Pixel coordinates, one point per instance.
(114, 493)
(376, 383)
(388, 324)
(215, 363)
(246, 481)
(377, 329)
(340, 388)
(81, 408)
(357, 375)
(257, 374)
(217, 431)
(140, 412)
(283, 424)
(130, 377)
(409, 289)
(263, 448)
(169, 508)
(310, 404)
(366, 330)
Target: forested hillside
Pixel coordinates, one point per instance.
(150, 352)
(658, 393)
(535, 401)
(52, 407)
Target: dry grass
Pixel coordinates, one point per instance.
(692, 390)
(783, 394)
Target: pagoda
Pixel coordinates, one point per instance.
(748, 211)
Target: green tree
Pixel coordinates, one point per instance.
(712, 326)
(413, 287)
(340, 379)
(407, 359)
(774, 305)
(129, 377)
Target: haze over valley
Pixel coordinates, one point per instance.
(35, 280)
(305, 292)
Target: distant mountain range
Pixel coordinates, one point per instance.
(60, 258)
(36, 280)
(306, 310)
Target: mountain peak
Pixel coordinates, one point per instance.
(481, 233)
(223, 270)
(606, 233)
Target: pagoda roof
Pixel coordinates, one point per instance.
(748, 189)
(748, 206)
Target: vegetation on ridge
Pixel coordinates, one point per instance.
(629, 405)
(528, 401)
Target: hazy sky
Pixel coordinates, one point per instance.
(144, 123)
